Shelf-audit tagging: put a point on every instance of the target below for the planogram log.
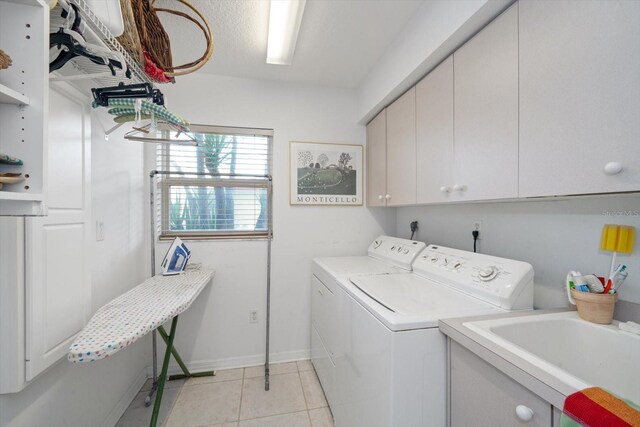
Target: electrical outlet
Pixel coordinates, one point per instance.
(253, 316)
(477, 226)
(99, 231)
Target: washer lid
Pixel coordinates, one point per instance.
(411, 295)
(353, 265)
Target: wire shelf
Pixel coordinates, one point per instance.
(98, 34)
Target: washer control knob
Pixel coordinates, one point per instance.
(456, 265)
(393, 248)
(376, 244)
(406, 251)
(487, 273)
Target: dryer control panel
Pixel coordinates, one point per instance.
(503, 282)
(400, 252)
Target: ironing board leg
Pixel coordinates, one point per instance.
(163, 374)
(185, 370)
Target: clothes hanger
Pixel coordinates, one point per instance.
(102, 96)
(73, 44)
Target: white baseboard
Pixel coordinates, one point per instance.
(234, 362)
(126, 399)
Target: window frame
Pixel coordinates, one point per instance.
(168, 181)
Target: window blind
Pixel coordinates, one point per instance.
(217, 188)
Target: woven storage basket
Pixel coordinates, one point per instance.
(204, 26)
(5, 60)
(153, 37)
(596, 308)
(130, 39)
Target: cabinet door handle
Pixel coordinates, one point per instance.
(524, 413)
(388, 196)
(380, 197)
(458, 187)
(445, 189)
(613, 168)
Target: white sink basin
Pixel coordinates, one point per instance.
(578, 353)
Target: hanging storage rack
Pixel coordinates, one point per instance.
(152, 175)
(96, 32)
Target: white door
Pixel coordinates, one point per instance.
(58, 280)
(579, 96)
(434, 134)
(486, 112)
(401, 150)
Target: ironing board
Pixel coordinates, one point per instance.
(134, 314)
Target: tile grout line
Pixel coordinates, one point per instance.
(173, 405)
(274, 415)
(241, 394)
(306, 405)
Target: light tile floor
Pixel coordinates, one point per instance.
(236, 398)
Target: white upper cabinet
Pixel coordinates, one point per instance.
(377, 160)
(434, 134)
(401, 150)
(579, 97)
(486, 112)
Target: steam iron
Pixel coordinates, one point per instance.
(176, 258)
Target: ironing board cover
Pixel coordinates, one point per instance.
(132, 315)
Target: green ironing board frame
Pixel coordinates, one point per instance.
(162, 378)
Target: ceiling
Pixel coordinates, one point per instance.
(338, 43)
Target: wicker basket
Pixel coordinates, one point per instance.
(5, 60)
(596, 308)
(130, 39)
(154, 39)
(203, 24)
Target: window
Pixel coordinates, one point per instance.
(196, 203)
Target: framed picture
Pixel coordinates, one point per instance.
(325, 174)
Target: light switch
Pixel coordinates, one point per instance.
(99, 231)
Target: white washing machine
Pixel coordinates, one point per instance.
(389, 356)
(386, 255)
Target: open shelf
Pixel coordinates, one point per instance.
(27, 197)
(10, 96)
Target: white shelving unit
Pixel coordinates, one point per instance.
(10, 96)
(24, 91)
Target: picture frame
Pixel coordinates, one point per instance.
(325, 174)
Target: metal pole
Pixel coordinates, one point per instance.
(154, 339)
(269, 237)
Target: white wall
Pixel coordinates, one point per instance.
(216, 330)
(436, 30)
(555, 236)
(96, 394)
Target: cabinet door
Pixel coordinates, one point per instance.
(486, 112)
(377, 160)
(58, 279)
(401, 150)
(434, 134)
(579, 96)
(480, 395)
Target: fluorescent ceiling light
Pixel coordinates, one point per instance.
(284, 23)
